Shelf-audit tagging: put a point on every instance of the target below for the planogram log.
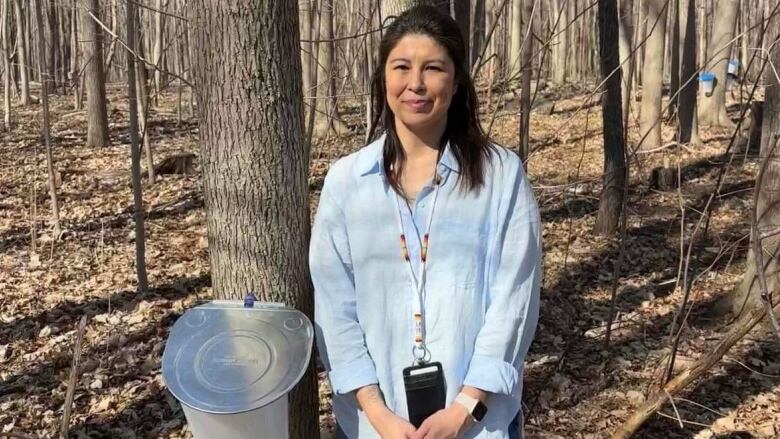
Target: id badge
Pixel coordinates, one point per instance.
(425, 391)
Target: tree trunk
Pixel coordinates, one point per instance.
(97, 117)
(626, 35)
(747, 295)
(254, 163)
(559, 40)
(75, 74)
(611, 202)
(527, 69)
(652, 75)
(516, 40)
(478, 32)
(23, 51)
(5, 15)
(45, 129)
(327, 114)
(712, 110)
(158, 54)
(53, 39)
(135, 156)
(688, 126)
(142, 85)
(674, 52)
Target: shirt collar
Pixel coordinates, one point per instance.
(370, 159)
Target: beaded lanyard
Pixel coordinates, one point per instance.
(419, 351)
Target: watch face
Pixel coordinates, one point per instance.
(480, 410)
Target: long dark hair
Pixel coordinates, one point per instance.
(468, 142)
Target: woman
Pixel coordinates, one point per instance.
(426, 251)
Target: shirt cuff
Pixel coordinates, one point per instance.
(352, 376)
(491, 375)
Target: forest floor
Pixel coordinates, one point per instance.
(574, 386)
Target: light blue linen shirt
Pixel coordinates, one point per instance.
(481, 295)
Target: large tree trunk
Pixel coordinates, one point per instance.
(712, 110)
(688, 126)
(45, 128)
(652, 75)
(24, 77)
(97, 117)
(255, 165)
(611, 203)
(747, 295)
(626, 35)
(135, 155)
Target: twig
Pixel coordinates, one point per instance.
(74, 369)
(679, 419)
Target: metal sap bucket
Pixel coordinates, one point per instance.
(231, 365)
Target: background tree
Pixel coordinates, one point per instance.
(614, 178)
(254, 162)
(652, 74)
(23, 38)
(687, 118)
(4, 24)
(712, 109)
(97, 119)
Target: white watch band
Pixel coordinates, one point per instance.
(467, 401)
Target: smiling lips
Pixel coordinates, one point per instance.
(417, 104)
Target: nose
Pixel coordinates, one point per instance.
(416, 82)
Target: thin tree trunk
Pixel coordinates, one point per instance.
(688, 126)
(55, 207)
(516, 40)
(254, 162)
(158, 54)
(478, 32)
(76, 73)
(462, 10)
(527, 70)
(23, 52)
(674, 43)
(6, 17)
(135, 157)
(611, 202)
(712, 109)
(97, 118)
(626, 34)
(142, 85)
(652, 76)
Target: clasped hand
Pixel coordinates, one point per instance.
(447, 423)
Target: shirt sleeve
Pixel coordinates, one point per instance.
(513, 290)
(340, 340)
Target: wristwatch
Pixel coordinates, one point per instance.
(476, 408)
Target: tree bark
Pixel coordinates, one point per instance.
(611, 202)
(462, 10)
(688, 125)
(674, 53)
(75, 75)
(652, 76)
(23, 51)
(327, 114)
(45, 128)
(255, 165)
(142, 84)
(712, 110)
(746, 296)
(97, 116)
(478, 32)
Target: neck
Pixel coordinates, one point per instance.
(420, 144)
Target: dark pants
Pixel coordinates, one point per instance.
(514, 430)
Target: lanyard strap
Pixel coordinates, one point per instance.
(419, 351)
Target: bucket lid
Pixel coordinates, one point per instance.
(224, 358)
(706, 76)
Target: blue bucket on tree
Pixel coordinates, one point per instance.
(707, 80)
(731, 74)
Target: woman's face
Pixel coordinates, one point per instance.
(420, 82)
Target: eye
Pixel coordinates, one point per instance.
(436, 68)
(401, 67)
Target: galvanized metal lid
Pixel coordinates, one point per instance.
(224, 358)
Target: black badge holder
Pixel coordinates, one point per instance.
(425, 391)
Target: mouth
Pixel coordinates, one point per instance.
(417, 104)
